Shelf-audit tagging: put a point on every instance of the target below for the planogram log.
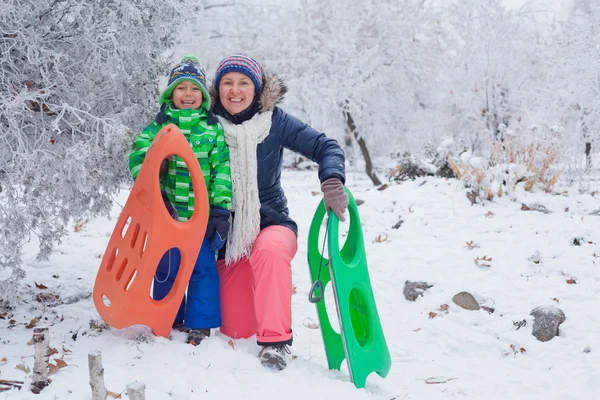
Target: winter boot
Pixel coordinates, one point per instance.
(195, 336)
(274, 356)
(178, 326)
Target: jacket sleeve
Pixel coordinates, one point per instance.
(312, 144)
(141, 144)
(220, 173)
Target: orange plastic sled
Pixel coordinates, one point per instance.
(142, 235)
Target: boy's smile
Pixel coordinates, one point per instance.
(187, 95)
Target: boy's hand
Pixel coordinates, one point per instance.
(217, 228)
(164, 167)
(170, 209)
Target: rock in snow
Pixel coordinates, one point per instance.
(412, 290)
(547, 319)
(466, 301)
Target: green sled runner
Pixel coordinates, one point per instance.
(361, 342)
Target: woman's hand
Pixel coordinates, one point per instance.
(335, 197)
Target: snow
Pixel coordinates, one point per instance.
(468, 353)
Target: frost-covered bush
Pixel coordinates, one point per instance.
(78, 78)
(529, 159)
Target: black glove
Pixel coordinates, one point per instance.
(170, 209)
(217, 228)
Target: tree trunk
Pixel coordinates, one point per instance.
(99, 391)
(363, 148)
(136, 391)
(41, 358)
(588, 156)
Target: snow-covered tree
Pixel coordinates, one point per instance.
(488, 69)
(78, 77)
(355, 70)
(577, 78)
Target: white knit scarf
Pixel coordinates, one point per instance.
(243, 140)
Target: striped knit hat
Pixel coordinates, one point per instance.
(189, 69)
(244, 64)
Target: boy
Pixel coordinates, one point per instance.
(186, 103)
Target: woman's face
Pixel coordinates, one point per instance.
(187, 95)
(236, 92)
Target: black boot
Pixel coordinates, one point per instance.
(195, 336)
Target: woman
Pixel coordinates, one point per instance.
(255, 275)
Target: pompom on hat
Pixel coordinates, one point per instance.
(243, 63)
(188, 69)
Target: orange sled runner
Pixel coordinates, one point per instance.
(142, 235)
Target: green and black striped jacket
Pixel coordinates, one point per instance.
(208, 144)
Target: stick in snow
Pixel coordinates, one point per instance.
(136, 391)
(10, 383)
(41, 357)
(97, 376)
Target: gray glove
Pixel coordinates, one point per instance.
(335, 197)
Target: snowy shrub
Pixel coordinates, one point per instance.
(78, 79)
(527, 159)
(410, 167)
(439, 156)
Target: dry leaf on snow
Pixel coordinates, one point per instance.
(79, 225)
(60, 363)
(515, 350)
(432, 314)
(24, 368)
(571, 281)
(310, 324)
(40, 285)
(114, 395)
(33, 323)
(382, 237)
(471, 245)
(483, 261)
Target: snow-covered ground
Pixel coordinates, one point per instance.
(469, 352)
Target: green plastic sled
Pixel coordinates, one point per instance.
(362, 342)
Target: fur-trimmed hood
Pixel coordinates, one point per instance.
(273, 91)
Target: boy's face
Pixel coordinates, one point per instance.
(187, 95)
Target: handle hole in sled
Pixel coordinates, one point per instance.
(130, 280)
(359, 316)
(331, 307)
(111, 260)
(105, 300)
(177, 176)
(125, 227)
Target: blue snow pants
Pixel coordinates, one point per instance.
(202, 307)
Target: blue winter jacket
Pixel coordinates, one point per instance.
(290, 133)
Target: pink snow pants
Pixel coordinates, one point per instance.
(256, 292)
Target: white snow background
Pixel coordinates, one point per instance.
(468, 350)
